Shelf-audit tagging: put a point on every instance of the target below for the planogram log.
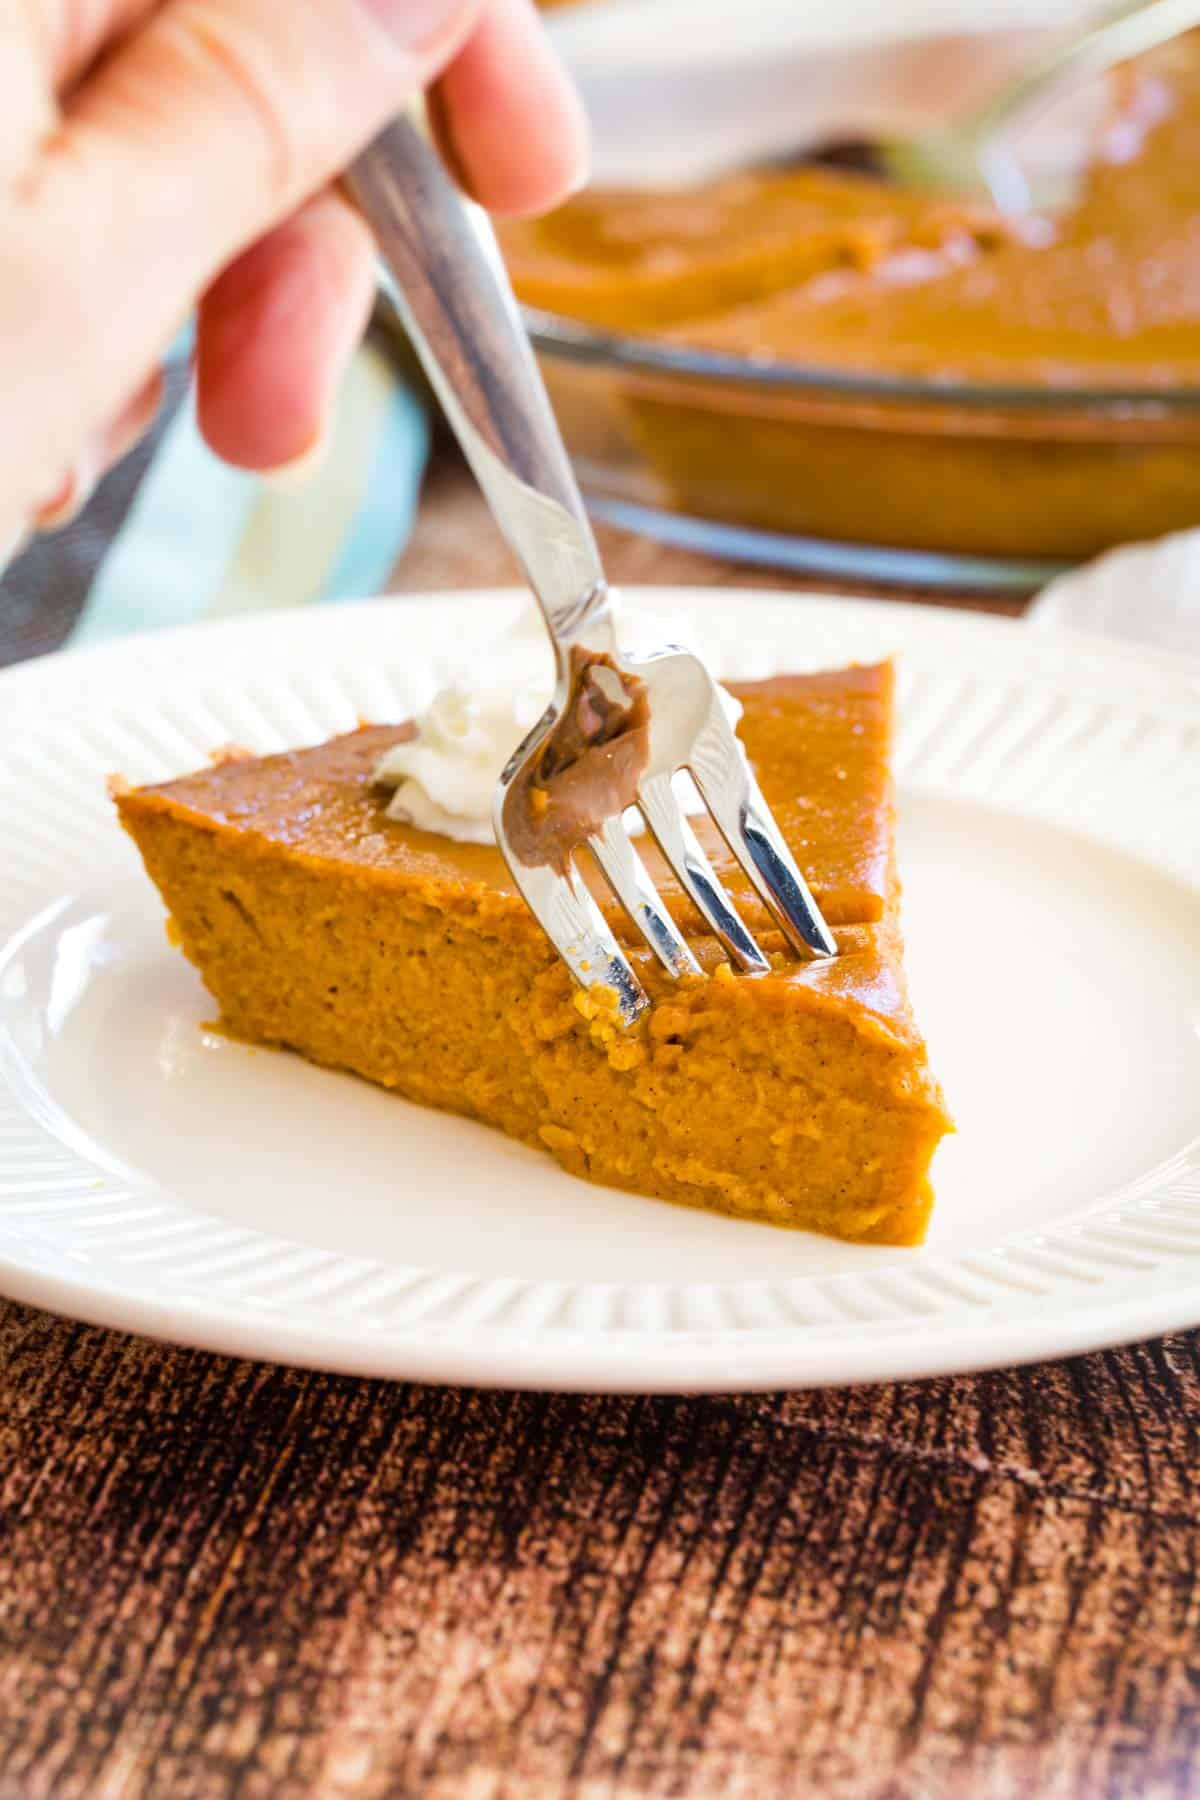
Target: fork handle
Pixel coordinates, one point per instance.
(443, 270)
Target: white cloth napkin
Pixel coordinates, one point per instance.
(1146, 593)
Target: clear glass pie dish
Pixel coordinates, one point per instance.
(984, 438)
(868, 476)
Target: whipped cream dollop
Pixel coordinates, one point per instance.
(444, 777)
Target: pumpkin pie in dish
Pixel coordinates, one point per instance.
(833, 270)
(802, 1097)
(814, 352)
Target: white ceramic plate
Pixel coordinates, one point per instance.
(156, 1177)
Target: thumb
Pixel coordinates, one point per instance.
(208, 124)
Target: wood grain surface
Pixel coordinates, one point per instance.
(220, 1578)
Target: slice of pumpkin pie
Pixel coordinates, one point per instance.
(802, 1097)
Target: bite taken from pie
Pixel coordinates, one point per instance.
(322, 923)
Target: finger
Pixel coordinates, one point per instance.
(111, 443)
(71, 33)
(508, 117)
(28, 114)
(252, 105)
(44, 49)
(204, 130)
(133, 420)
(276, 330)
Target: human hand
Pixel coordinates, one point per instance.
(156, 154)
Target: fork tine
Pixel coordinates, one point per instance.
(577, 928)
(630, 881)
(682, 849)
(748, 827)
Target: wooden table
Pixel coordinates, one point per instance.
(220, 1578)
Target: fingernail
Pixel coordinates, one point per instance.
(418, 24)
(73, 494)
(300, 471)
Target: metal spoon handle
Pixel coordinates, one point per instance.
(1122, 34)
(443, 270)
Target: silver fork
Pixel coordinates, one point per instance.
(619, 727)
